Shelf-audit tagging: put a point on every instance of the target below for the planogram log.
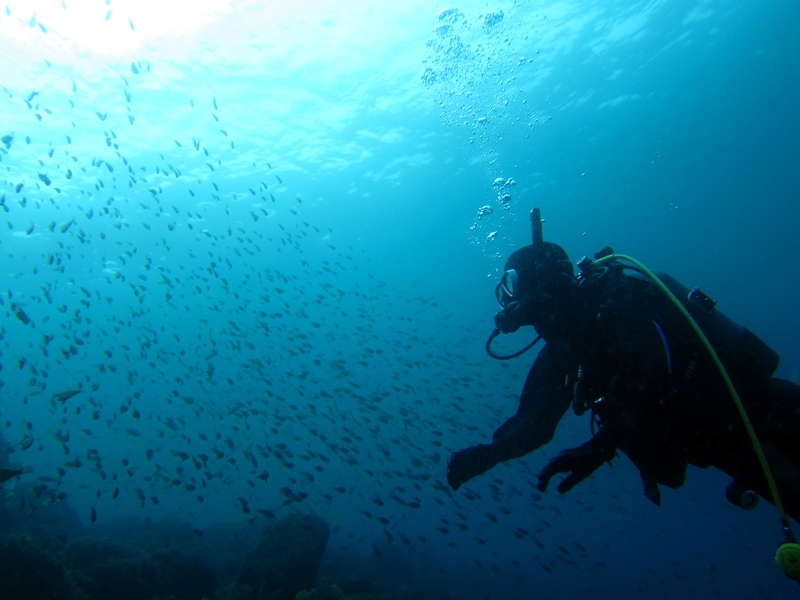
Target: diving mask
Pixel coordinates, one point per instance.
(507, 290)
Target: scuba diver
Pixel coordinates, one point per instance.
(667, 378)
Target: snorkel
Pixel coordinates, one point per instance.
(537, 238)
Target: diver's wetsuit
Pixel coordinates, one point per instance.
(663, 401)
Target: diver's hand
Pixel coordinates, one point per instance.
(468, 463)
(513, 316)
(507, 321)
(579, 462)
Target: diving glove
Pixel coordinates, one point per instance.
(468, 463)
(579, 462)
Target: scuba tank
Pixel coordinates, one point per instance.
(742, 352)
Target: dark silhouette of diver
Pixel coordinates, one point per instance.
(667, 378)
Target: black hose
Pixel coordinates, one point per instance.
(497, 332)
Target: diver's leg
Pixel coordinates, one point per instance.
(779, 434)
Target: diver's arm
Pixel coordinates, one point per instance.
(545, 398)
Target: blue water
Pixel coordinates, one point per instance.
(250, 231)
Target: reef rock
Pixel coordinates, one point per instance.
(287, 559)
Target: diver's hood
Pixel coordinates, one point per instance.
(542, 269)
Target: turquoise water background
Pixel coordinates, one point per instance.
(250, 232)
